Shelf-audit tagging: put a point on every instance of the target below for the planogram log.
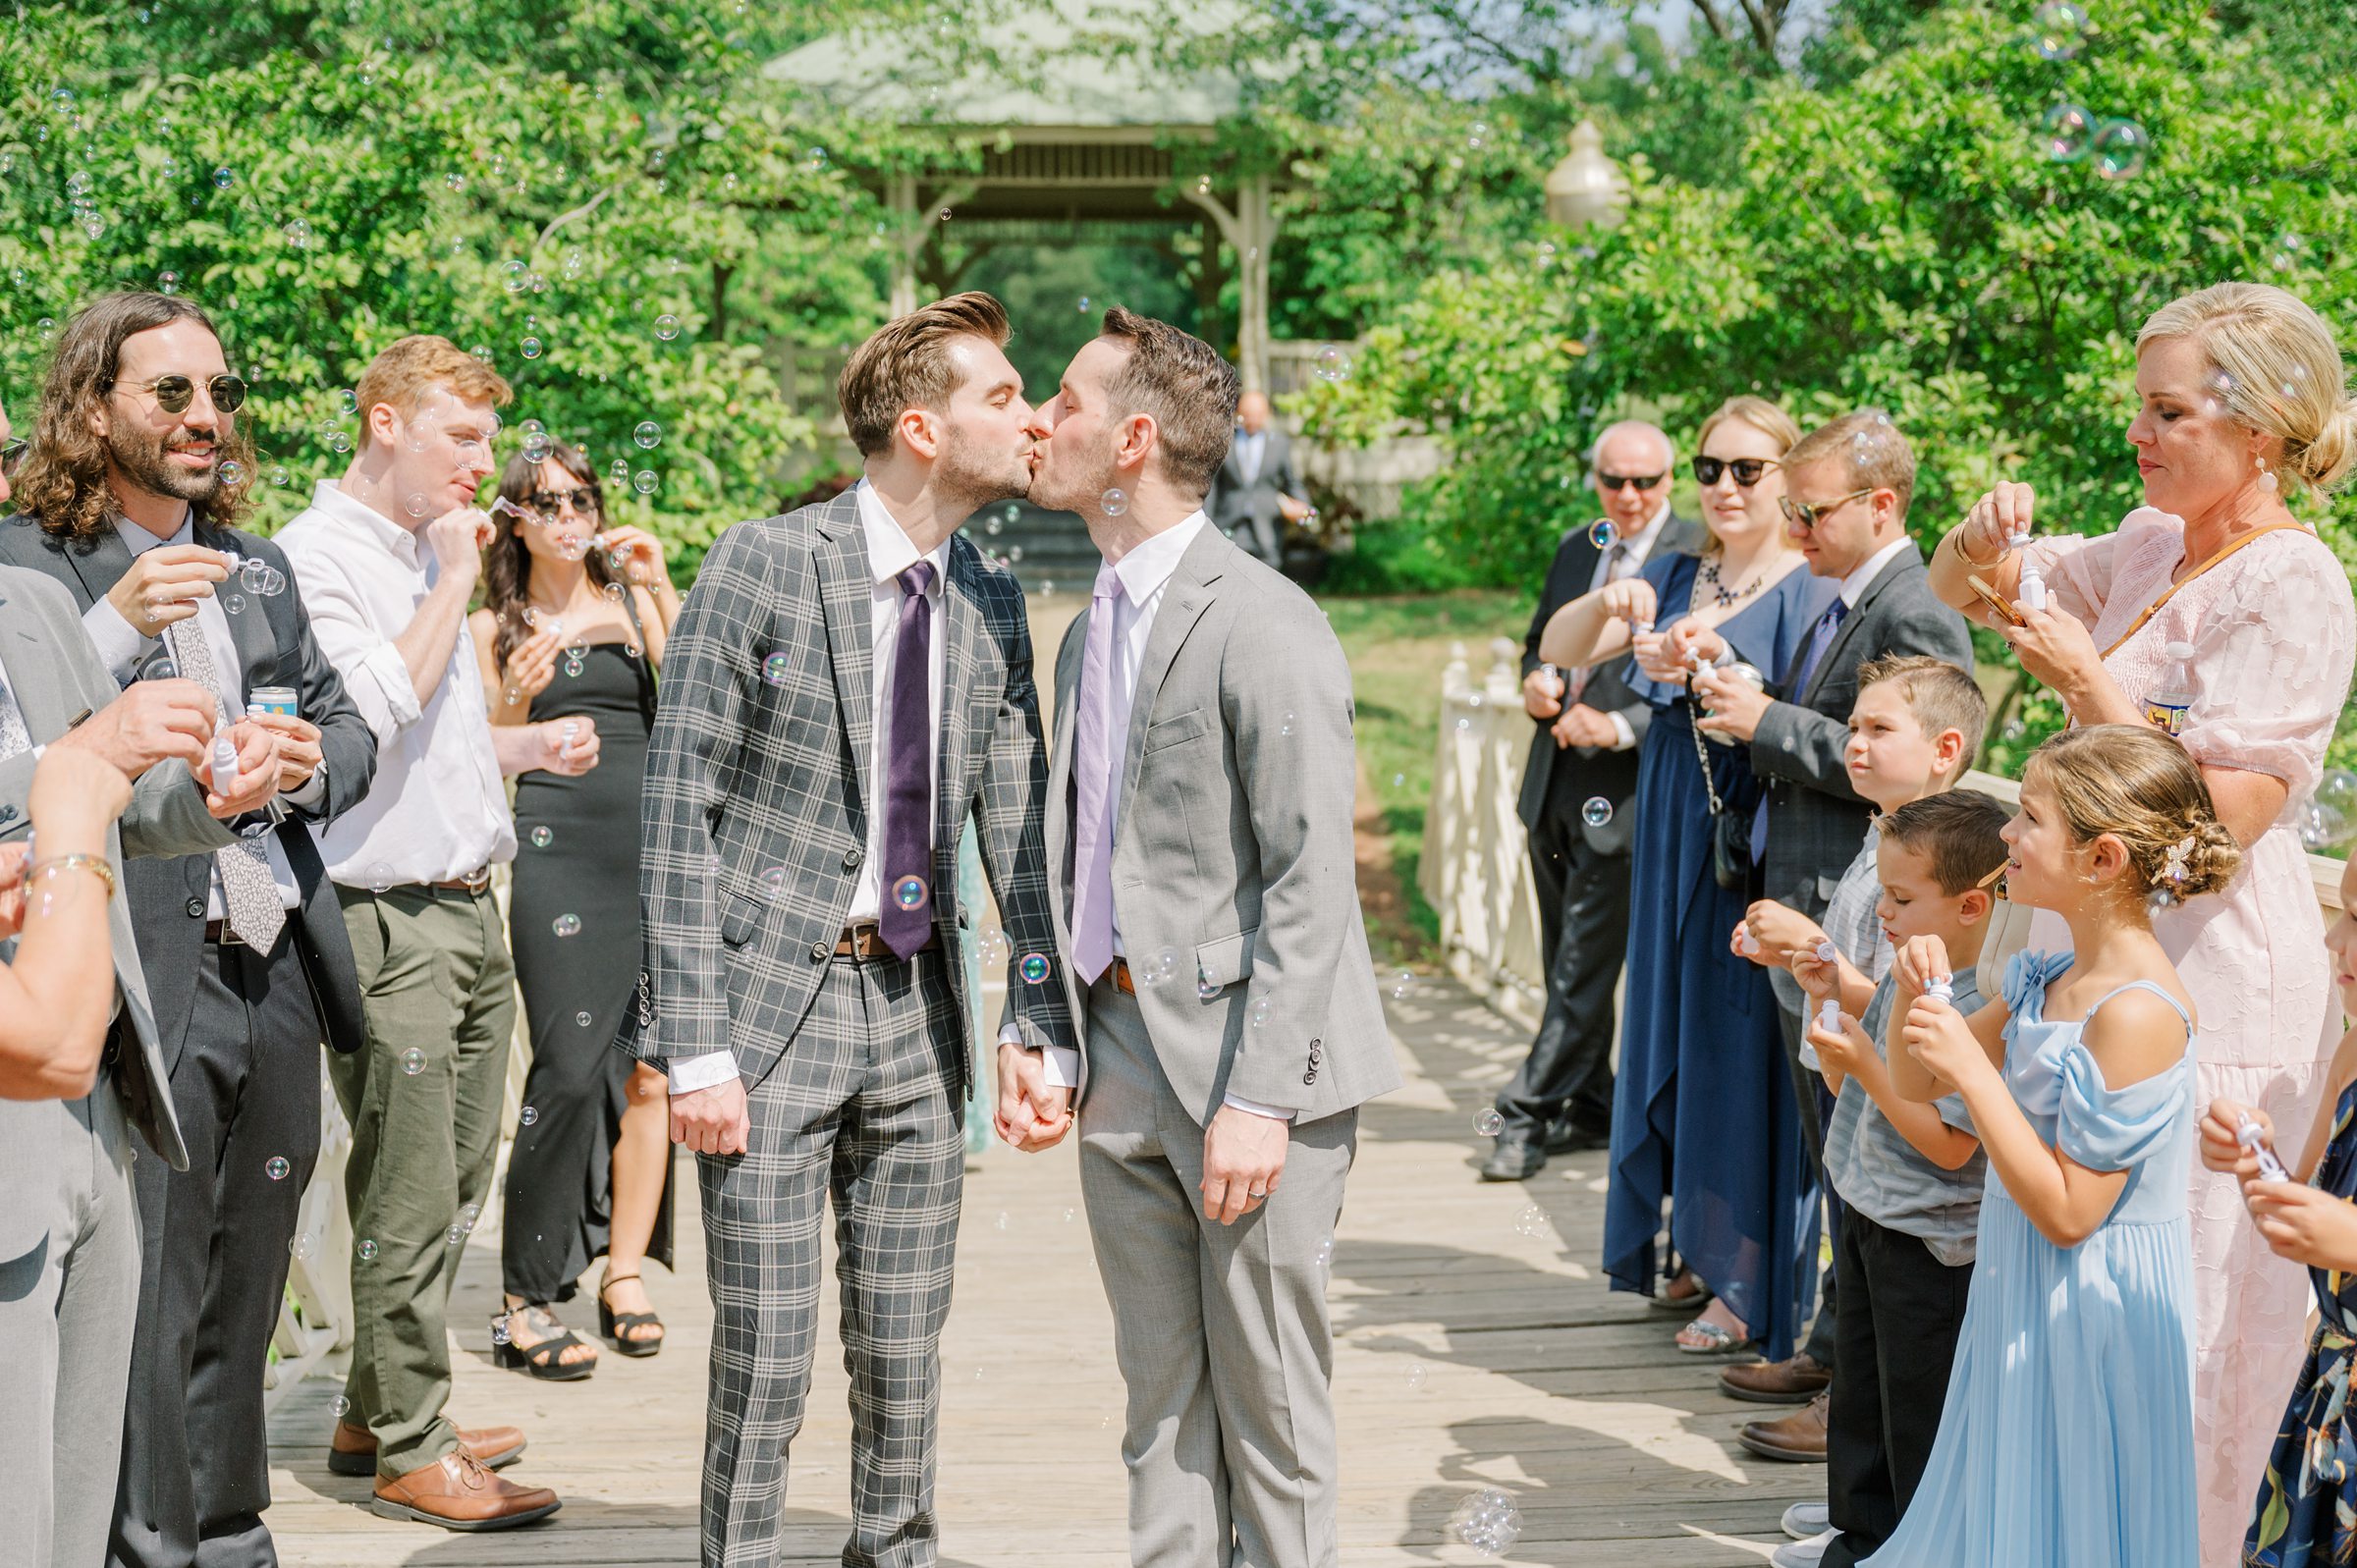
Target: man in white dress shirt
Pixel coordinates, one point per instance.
(387, 558)
(1199, 844)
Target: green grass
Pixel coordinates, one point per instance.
(1396, 646)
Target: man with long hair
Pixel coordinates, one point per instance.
(846, 685)
(131, 503)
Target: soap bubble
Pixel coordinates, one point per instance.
(279, 477)
(776, 667)
(1332, 365)
(582, 1020)
(2121, 150)
(1602, 534)
(224, 178)
(531, 348)
(667, 326)
(367, 1250)
(276, 1168)
(1112, 502)
(300, 1246)
(649, 434)
(911, 892)
(1403, 981)
(1488, 1522)
(2059, 31)
(773, 880)
(416, 506)
(1205, 988)
(298, 234)
(1488, 1122)
(527, 1116)
(644, 482)
(566, 925)
(1597, 813)
(412, 1061)
(544, 835)
(1260, 1013)
(232, 472)
(1534, 1224)
(1035, 968)
(1417, 1377)
(2068, 133)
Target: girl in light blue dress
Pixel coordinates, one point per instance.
(2066, 1441)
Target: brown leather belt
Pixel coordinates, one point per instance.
(867, 941)
(474, 881)
(1121, 979)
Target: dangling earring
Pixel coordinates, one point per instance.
(2266, 480)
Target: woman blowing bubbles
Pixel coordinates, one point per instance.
(2242, 409)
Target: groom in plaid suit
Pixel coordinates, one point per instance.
(846, 683)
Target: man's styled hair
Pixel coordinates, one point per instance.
(1179, 382)
(1956, 832)
(1870, 449)
(405, 372)
(906, 364)
(63, 480)
(1940, 695)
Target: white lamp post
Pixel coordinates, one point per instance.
(1586, 187)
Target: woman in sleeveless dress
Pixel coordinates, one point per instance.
(1703, 1111)
(2244, 408)
(572, 627)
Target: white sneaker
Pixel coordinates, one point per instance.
(1804, 1554)
(1805, 1519)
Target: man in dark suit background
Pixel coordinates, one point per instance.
(1589, 726)
(128, 502)
(1258, 490)
(1846, 489)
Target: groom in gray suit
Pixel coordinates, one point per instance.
(1199, 840)
(846, 685)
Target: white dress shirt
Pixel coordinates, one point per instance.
(1633, 551)
(438, 808)
(123, 648)
(1854, 586)
(889, 551)
(1251, 446)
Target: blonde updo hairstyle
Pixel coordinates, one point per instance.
(1768, 418)
(2274, 368)
(2135, 783)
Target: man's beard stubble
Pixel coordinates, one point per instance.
(139, 455)
(973, 477)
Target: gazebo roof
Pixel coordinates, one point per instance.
(1113, 92)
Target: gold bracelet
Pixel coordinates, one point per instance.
(1957, 536)
(96, 865)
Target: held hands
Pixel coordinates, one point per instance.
(299, 754)
(1917, 962)
(1583, 725)
(714, 1120)
(1781, 931)
(14, 858)
(1689, 639)
(637, 557)
(2054, 647)
(1731, 708)
(568, 747)
(1542, 693)
(75, 796)
(258, 777)
(1845, 1052)
(1631, 599)
(2221, 1144)
(1032, 1113)
(151, 720)
(531, 667)
(1243, 1159)
(1819, 978)
(163, 586)
(1937, 1035)
(1987, 529)
(1291, 510)
(457, 540)
(2303, 1224)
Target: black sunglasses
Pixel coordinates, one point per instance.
(174, 393)
(1748, 470)
(585, 499)
(1623, 481)
(12, 455)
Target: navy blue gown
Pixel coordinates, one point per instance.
(1703, 1110)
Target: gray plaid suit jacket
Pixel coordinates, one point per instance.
(758, 791)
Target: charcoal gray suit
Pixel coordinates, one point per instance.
(758, 793)
(1244, 507)
(1233, 894)
(70, 1227)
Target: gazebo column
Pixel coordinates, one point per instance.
(1251, 230)
(913, 224)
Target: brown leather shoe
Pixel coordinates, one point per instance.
(353, 1449)
(1794, 1380)
(1798, 1439)
(456, 1492)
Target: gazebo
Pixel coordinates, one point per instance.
(1082, 149)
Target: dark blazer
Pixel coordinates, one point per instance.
(168, 896)
(1594, 770)
(1815, 820)
(1236, 501)
(56, 677)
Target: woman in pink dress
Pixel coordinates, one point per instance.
(2244, 408)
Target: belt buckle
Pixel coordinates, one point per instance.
(863, 937)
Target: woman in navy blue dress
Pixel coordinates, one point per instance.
(1702, 1113)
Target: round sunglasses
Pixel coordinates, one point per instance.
(174, 393)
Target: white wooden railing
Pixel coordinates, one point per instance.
(1475, 870)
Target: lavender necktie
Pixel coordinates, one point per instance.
(906, 921)
(1092, 777)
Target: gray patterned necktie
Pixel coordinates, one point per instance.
(14, 736)
(248, 892)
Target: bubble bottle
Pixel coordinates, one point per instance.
(2174, 690)
(2029, 593)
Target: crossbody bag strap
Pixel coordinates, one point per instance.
(2153, 608)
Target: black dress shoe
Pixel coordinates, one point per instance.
(1515, 1159)
(1569, 1137)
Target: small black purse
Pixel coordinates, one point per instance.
(1730, 833)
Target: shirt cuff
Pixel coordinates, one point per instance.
(313, 793)
(1273, 1113)
(388, 674)
(688, 1074)
(1063, 1064)
(118, 641)
(1623, 736)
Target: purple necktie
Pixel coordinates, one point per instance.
(1092, 780)
(1821, 639)
(906, 921)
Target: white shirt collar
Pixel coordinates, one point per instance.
(890, 550)
(340, 504)
(140, 540)
(1641, 542)
(1855, 584)
(1145, 568)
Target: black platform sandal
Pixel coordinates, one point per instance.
(611, 1324)
(540, 1360)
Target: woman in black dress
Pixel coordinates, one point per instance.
(573, 625)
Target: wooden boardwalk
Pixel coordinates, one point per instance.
(1469, 1353)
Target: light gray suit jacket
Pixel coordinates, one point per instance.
(56, 677)
(1232, 844)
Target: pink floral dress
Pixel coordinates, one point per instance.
(2273, 631)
